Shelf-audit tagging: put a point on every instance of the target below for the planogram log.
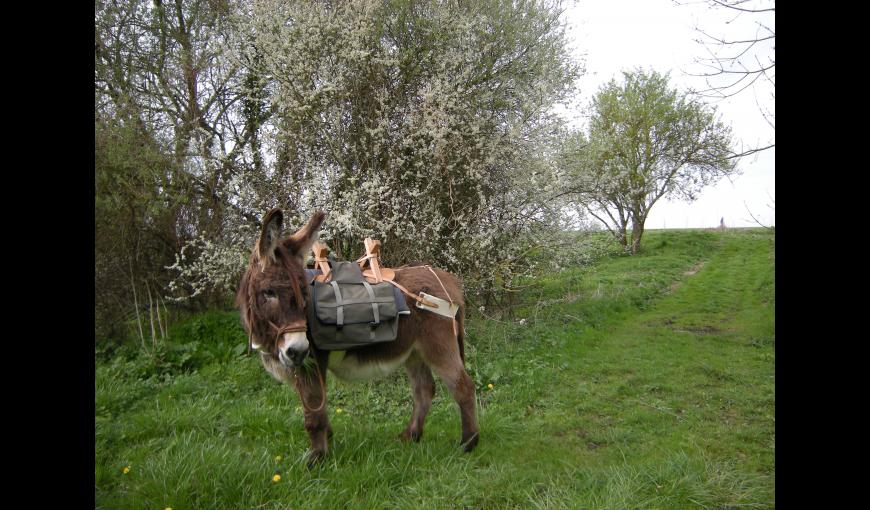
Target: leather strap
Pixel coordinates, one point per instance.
(373, 254)
(320, 252)
(375, 310)
(408, 293)
(339, 305)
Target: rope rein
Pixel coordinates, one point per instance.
(295, 328)
(302, 397)
(291, 328)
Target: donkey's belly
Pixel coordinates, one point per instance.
(350, 368)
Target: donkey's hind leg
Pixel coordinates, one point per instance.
(423, 389)
(448, 364)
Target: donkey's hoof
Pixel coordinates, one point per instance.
(469, 444)
(409, 435)
(315, 457)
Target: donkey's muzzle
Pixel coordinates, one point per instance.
(293, 346)
(296, 357)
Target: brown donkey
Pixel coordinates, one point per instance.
(272, 298)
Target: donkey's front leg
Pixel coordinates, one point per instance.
(311, 385)
(317, 425)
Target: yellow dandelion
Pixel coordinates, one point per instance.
(276, 478)
(339, 410)
(489, 386)
(126, 469)
(278, 458)
(168, 508)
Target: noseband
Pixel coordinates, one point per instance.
(295, 327)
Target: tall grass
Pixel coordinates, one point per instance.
(641, 381)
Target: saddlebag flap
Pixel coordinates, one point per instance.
(349, 312)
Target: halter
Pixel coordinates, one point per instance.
(297, 328)
(290, 328)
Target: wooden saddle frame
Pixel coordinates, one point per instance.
(370, 264)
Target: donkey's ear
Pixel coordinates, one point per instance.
(272, 223)
(300, 243)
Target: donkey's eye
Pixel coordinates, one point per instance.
(270, 294)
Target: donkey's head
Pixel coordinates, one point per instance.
(272, 293)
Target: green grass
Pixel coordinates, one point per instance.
(628, 384)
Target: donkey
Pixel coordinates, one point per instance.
(272, 298)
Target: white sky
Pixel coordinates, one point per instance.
(615, 35)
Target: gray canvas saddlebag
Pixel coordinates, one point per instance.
(349, 312)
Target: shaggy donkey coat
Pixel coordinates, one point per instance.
(272, 298)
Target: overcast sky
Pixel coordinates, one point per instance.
(615, 35)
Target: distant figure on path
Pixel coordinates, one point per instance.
(722, 223)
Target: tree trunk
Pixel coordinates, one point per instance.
(636, 235)
(159, 321)
(151, 315)
(136, 308)
(622, 237)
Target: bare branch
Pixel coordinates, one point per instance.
(751, 151)
(754, 218)
(734, 6)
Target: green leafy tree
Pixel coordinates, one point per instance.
(167, 137)
(645, 141)
(134, 237)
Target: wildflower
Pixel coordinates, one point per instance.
(168, 508)
(489, 386)
(276, 478)
(339, 410)
(522, 322)
(126, 469)
(278, 458)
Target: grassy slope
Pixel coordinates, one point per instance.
(632, 384)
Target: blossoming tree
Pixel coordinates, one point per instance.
(426, 124)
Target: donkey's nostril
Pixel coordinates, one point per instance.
(296, 356)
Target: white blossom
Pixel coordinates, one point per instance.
(430, 133)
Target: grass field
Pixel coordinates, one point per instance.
(637, 382)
